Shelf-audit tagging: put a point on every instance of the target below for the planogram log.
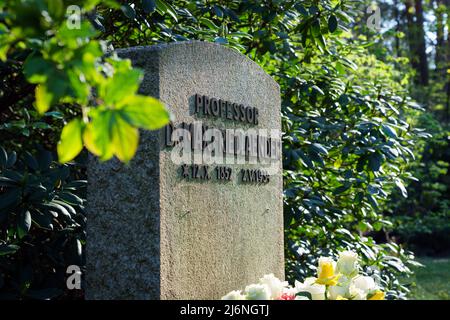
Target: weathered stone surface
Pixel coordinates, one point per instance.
(152, 235)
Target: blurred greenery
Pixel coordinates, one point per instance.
(66, 63)
(416, 30)
(432, 281)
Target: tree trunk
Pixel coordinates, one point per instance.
(440, 57)
(416, 39)
(411, 27)
(397, 27)
(447, 58)
(421, 48)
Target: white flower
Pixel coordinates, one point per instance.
(317, 291)
(364, 283)
(301, 298)
(348, 263)
(361, 286)
(341, 289)
(234, 295)
(357, 293)
(274, 284)
(335, 291)
(257, 292)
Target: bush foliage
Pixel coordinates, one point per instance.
(347, 139)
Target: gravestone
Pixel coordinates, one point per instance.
(164, 228)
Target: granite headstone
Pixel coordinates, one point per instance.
(159, 228)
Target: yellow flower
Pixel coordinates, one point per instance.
(341, 298)
(326, 272)
(377, 295)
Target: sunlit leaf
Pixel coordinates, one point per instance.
(70, 144)
(144, 112)
(44, 98)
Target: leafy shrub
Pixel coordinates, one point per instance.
(67, 64)
(346, 138)
(423, 220)
(42, 224)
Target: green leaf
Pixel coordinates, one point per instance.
(144, 112)
(402, 188)
(41, 125)
(373, 202)
(341, 189)
(149, 6)
(37, 69)
(301, 9)
(69, 198)
(315, 30)
(9, 198)
(316, 157)
(129, 11)
(361, 163)
(23, 223)
(81, 89)
(389, 131)
(125, 139)
(14, 175)
(44, 98)
(43, 221)
(317, 89)
(72, 36)
(164, 7)
(110, 133)
(218, 12)
(125, 82)
(332, 23)
(304, 294)
(340, 68)
(70, 144)
(76, 184)
(60, 208)
(348, 63)
(6, 249)
(208, 23)
(7, 182)
(240, 34)
(3, 157)
(30, 161)
(306, 161)
(96, 135)
(54, 114)
(4, 47)
(67, 207)
(56, 9)
(319, 148)
(313, 10)
(220, 40)
(12, 157)
(375, 161)
(90, 4)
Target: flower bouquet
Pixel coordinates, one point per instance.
(335, 281)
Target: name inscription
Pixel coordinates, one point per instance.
(224, 109)
(252, 145)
